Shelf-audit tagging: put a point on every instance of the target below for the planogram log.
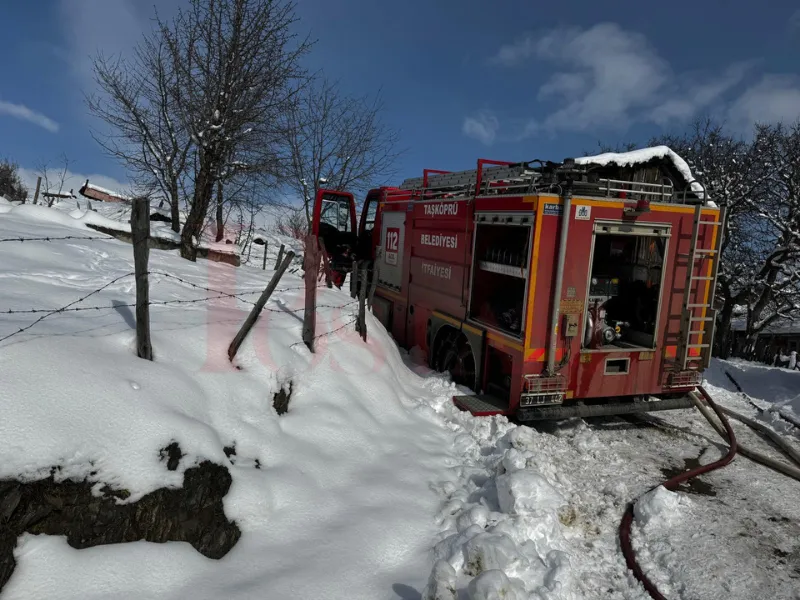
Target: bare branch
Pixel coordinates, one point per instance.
(337, 142)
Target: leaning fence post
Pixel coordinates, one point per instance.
(140, 232)
(264, 266)
(361, 322)
(280, 256)
(312, 268)
(38, 185)
(259, 306)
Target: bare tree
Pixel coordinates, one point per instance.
(603, 147)
(236, 63)
(147, 135)
(54, 179)
(293, 223)
(337, 141)
(11, 186)
(727, 167)
(775, 227)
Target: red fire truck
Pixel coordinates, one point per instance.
(549, 289)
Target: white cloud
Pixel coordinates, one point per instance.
(483, 127)
(697, 94)
(515, 52)
(20, 111)
(608, 77)
(110, 26)
(774, 98)
(611, 72)
(72, 181)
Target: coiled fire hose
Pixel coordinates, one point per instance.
(726, 432)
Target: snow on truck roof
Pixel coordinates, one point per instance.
(616, 168)
(644, 156)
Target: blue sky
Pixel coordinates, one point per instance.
(460, 80)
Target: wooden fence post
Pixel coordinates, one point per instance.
(312, 268)
(326, 262)
(361, 322)
(280, 256)
(375, 273)
(354, 279)
(264, 266)
(140, 232)
(38, 185)
(259, 306)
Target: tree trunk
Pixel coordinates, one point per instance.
(203, 190)
(723, 341)
(174, 207)
(220, 224)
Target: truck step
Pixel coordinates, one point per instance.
(544, 413)
(481, 405)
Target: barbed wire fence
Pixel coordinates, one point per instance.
(217, 294)
(70, 307)
(84, 238)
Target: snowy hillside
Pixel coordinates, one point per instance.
(373, 485)
(116, 217)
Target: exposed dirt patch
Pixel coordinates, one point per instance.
(193, 514)
(281, 399)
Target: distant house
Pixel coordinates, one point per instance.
(782, 336)
(95, 192)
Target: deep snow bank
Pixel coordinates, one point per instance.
(333, 498)
(771, 384)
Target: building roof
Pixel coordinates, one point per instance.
(95, 192)
(779, 327)
(645, 157)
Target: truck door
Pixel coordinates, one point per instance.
(366, 242)
(334, 223)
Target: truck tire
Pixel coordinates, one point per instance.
(454, 355)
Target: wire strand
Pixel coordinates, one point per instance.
(53, 239)
(64, 308)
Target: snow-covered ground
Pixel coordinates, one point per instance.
(116, 217)
(373, 485)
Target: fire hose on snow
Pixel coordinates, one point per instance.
(726, 432)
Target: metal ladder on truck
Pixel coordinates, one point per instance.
(697, 332)
(516, 177)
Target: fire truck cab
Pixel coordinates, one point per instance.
(549, 290)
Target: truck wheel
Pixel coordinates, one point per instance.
(455, 356)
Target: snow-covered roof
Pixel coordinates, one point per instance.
(643, 156)
(102, 190)
(779, 327)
